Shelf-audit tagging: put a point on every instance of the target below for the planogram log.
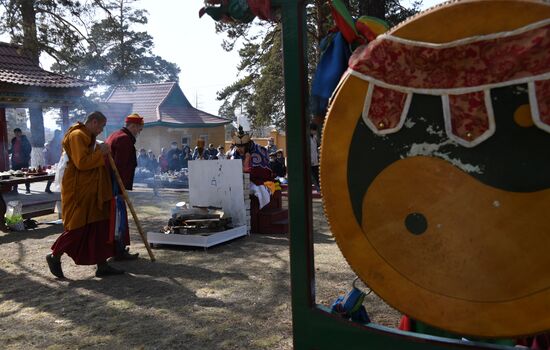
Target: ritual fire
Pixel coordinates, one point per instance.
(197, 220)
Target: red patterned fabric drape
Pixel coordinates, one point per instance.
(462, 72)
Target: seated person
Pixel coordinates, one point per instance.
(221, 152)
(279, 158)
(278, 168)
(211, 152)
(200, 152)
(255, 158)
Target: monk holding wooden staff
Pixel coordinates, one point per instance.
(86, 193)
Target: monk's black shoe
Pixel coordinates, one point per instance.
(55, 266)
(104, 270)
(125, 256)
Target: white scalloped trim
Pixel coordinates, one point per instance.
(449, 128)
(374, 128)
(535, 113)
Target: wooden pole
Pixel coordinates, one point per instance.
(131, 206)
(4, 146)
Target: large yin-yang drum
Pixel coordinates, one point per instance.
(435, 167)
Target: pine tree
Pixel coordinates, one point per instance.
(45, 26)
(120, 54)
(259, 91)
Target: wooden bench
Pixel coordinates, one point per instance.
(34, 204)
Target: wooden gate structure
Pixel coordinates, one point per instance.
(23, 84)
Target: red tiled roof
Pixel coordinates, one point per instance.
(17, 68)
(115, 112)
(170, 114)
(145, 98)
(164, 103)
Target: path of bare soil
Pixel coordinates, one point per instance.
(233, 296)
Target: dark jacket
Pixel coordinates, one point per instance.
(278, 168)
(124, 154)
(25, 156)
(173, 157)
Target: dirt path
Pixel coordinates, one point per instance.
(233, 296)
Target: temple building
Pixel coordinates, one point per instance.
(168, 116)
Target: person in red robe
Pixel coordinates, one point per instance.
(122, 143)
(86, 193)
(20, 154)
(254, 156)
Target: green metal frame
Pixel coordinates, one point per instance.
(313, 325)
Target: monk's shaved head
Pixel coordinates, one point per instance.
(100, 117)
(95, 122)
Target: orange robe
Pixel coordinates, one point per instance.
(86, 188)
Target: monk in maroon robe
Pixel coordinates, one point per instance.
(122, 143)
(86, 194)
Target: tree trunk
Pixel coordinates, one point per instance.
(373, 8)
(31, 47)
(30, 39)
(4, 142)
(37, 127)
(37, 136)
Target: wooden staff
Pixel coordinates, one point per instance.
(127, 199)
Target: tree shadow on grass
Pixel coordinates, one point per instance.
(41, 232)
(188, 301)
(119, 310)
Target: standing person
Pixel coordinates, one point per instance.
(86, 195)
(54, 148)
(199, 152)
(53, 153)
(186, 156)
(153, 164)
(20, 154)
(314, 155)
(143, 159)
(163, 160)
(123, 148)
(271, 147)
(173, 156)
(281, 166)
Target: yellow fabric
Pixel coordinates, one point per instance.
(86, 185)
(272, 186)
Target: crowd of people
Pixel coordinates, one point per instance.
(173, 159)
(94, 213)
(91, 234)
(176, 158)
